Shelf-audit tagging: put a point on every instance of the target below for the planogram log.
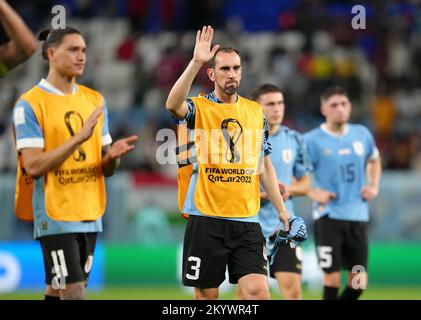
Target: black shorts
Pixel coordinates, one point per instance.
(71, 254)
(287, 259)
(341, 244)
(212, 244)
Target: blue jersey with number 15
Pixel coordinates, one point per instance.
(339, 163)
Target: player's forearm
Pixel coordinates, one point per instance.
(312, 194)
(22, 42)
(374, 171)
(180, 90)
(317, 195)
(109, 166)
(270, 184)
(37, 165)
(264, 195)
(301, 187)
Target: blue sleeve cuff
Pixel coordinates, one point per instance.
(191, 112)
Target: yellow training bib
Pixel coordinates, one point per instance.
(74, 191)
(23, 193)
(228, 141)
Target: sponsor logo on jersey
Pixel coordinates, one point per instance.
(344, 152)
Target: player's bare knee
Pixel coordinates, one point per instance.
(288, 283)
(256, 292)
(74, 291)
(292, 291)
(261, 294)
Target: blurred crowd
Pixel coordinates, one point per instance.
(138, 48)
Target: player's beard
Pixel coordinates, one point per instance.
(231, 89)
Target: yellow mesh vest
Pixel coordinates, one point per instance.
(228, 141)
(74, 191)
(23, 193)
(185, 166)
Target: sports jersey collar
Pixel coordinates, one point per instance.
(323, 126)
(212, 97)
(280, 129)
(44, 84)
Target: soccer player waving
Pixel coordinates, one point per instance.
(227, 137)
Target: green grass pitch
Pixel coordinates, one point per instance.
(176, 293)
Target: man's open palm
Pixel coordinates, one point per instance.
(202, 50)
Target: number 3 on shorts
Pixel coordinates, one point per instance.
(325, 256)
(195, 267)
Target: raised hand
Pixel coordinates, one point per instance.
(202, 50)
(89, 126)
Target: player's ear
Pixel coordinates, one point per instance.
(211, 74)
(50, 53)
(323, 109)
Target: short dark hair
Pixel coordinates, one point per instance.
(54, 37)
(263, 89)
(331, 91)
(211, 62)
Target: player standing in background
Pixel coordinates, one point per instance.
(290, 160)
(347, 170)
(223, 198)
(63, 142)
(21, 43)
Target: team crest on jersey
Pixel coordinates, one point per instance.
(287, 155)
(358, 148)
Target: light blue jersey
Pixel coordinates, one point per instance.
(339, 163)
(290, 159)
(29, 135)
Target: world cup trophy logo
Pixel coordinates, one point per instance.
(74, 124)
(231, 131)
